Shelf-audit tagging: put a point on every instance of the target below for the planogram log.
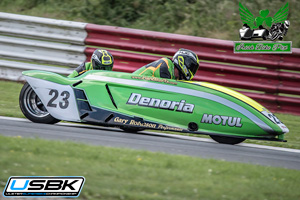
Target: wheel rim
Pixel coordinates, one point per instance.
(34, 104)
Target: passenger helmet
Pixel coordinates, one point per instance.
(102, 60)
(286, 24)
(187, 62)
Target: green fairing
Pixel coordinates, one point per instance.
(214, 103)
(50, 76)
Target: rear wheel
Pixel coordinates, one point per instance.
(33, 108)
(265, 35)
(227, 140)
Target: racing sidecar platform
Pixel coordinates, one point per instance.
(136, 103)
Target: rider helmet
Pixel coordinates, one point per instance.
(102, 60)
(286, 24)
(187, 63)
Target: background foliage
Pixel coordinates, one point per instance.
(205, 18)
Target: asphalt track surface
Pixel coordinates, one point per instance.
(156, 142)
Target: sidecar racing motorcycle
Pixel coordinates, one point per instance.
(135, 103)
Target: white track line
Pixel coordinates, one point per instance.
(172, 136)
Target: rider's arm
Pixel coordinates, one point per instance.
(79, 70)
(147, 70)
(162, 68)
(166, 69)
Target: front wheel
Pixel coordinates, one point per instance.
(33, 108)
(227, 140)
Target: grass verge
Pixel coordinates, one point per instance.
(9, 100)
(117, 173)
(9, 106)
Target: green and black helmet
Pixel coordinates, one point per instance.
(187, 62)
(102, 60)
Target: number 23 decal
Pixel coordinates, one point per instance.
(62, 104)
(275, 119)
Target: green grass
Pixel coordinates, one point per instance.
(9, 106)
(9, 99)
(117, 173)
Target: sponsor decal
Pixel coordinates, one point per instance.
(220, 119)
(182, 106)
(169, 128)
(154, 79)
(272, 117)
(142, 124)
(41, 186)
(263, 27)
(275, 120)
(156, 126)
(133, 122)
(120, 120)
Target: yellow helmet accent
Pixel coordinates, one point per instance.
(181, 64)
(106, 59)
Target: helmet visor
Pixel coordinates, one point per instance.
(193, 68)
(98, 66)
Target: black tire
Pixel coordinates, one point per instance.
(265, 35)
(32, 107)
(131, 129)
(227, 140)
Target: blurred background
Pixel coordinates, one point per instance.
(205, 18)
